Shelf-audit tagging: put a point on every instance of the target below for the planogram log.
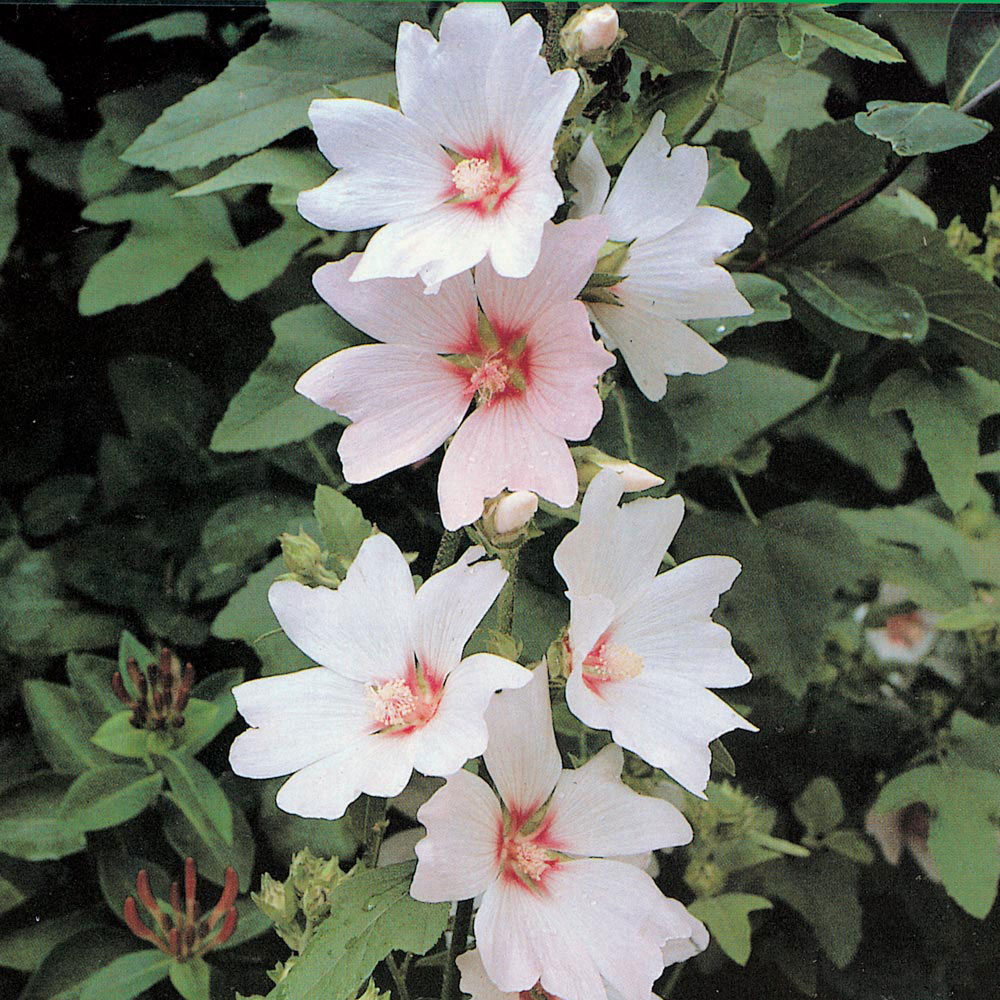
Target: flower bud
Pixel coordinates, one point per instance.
(590, 461)
(300, 553)
(591, 34)
(507, 516)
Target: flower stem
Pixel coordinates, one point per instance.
(742, 497)
(325, 467)
(619, 397)
(375, 825)
(505, 608)
(715, 94)
(398, 977)
(446, 551)
(459, 939)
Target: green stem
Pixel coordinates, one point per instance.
(671, 984)
(375, 825)
(556, 18)
(325, 467)
(715, 94)
(742, 497)
(505, 608)
(459, 939)
(619, 397)
(398, 977)
(446, 551)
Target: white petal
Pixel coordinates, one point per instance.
(589, 616)
(502, 446)
(458, 731)
(379, 764)
(391, 168)
(522, 756)
(692, 940)
(594, 815)
(396, 311)
(361, 630)
(656, 189)
(297, 719)
(653, 344)
(404, 403)
(450, 605)
(590, 177)
(474, 980)
(616, 551)
(670, 627)
(458, 857)
(566, 261)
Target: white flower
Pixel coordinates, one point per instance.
(463, 169)
(906, 636)
(393, 693)
(643, 648)
(669, 267)
(510, 512)
(557, 909)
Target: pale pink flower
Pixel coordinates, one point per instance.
(463, 169)
(670, 270)
(589, 34)
(905, 637)
(531, 367)
(392, 694)
(904, 828)
(557, 909)
(643, 647)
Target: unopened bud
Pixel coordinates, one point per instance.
(591, 34)
(590, 461)
(513, 511)
(300, 553)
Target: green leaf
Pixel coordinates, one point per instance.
(191, 979)
(203, 721)
(371, 914)
(791, 38)
(857, 295)
(915, 128)
(945, 409)
(763, 293)
(25, 948)
(849, 37)
(819, 807)
(716, 414)
(90, 677)
(265, 92)
(108, 796)
(343, 525)
(30, 825)
(658, 37)
(10, 188)
(67, 967)
(24, 82)
(287, 833)
(55, 503)
(181, 24)
(243, 529)
(851, 845)
(288, 170)
(60, 727)
(168, 239)
(794, 564)
(128, 976)
(963, 837)
(922, 32)
(973, 53)
(117, 735)
(728, 919)
(197, 793)
(726, 186)
(267, 412)
(204, 843)
(976, 742)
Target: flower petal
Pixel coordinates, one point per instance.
(594, 814)
(691, 940)
(474, 980)
(363, 629)
(450, 605)
(522, 756)
(502, 446)
(389, 166)
(297, 719)
(404, 403)
(459, 857)
(590, 177)
(396, 311)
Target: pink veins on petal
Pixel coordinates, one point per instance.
(483, 181)
(402, 704)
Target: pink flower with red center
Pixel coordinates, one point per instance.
(392, 694)
(525, 356)
(559, 909)
(643, 648)
(463, 169)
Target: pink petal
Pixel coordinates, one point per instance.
(522, 756)
(363, 629)
(887, 829)
(458, 730)
(502, 446)
(591, 179)
(397, 311)
(390, 167)
(594, 815)
(566, 261)
(449, 607)
(298, 718)
(458, 859)
(404, 403)
(516, 238)
(656, 189)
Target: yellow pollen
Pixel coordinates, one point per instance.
(475, 178)
(490, 378)
(530, 859)
(391, 703)
(613, 663)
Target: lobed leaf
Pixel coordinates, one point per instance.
(914, 128)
